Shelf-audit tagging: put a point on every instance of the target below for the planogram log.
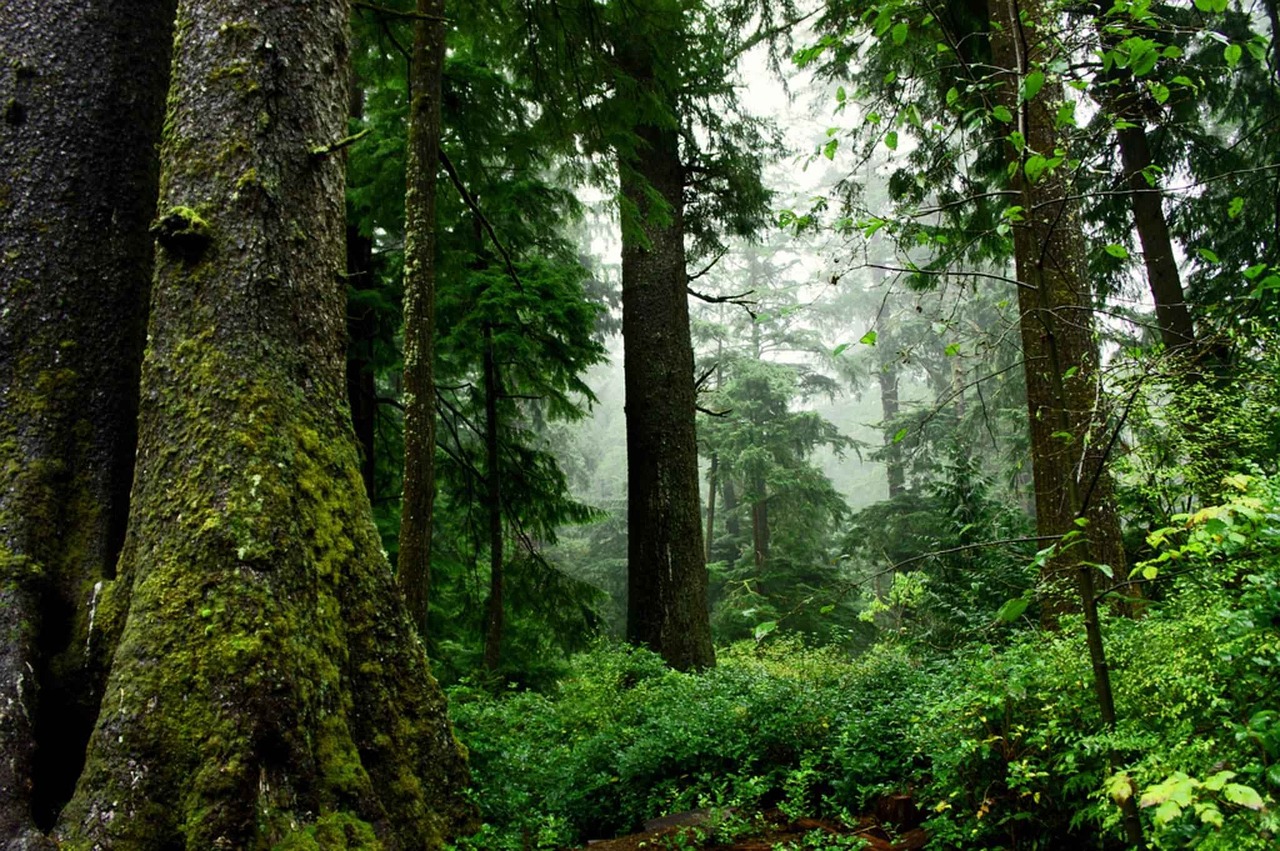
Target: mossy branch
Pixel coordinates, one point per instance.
(326, 150)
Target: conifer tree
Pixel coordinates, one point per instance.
(267, 688)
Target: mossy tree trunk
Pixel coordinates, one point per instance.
(1059, 344)
(267, 690)
(667, 576)
(425, 76)
(1060, 356)
(83, 87)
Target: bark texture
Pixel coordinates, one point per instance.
(267, 690)
(1060, 350)
(414, 563)
(667, 576)
(83, 86)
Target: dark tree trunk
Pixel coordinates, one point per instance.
(713, 484)
(83, 86)
(362, 327)
(667, 576)
(1172, 314)
(731, 523)
(889, 407)
(1123, 100)
(414, 563)
(493, 484)
(267, 687)
(760, 528)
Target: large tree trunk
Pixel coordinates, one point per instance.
(267, 687)
(426, 73)
(667, 576)
(1060, 358)
(1060, 351)
(83, 84)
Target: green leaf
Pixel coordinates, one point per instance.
(1002, 113)
(953, 95)
(952, 350)
(1066, 116)
(1012, 610)
(1219, 780)
(1235, 207)
(764, 629)
(1120, 788)
(1207, 255)
(1245, 796)
(900, 33)
(868, 339)
(1159, 92)
(902, 433)
(829, 149)
(1017, 140)
(1254, 271)
(1232, 54)
(841, 94)
(1031, 86)
(891, 140)
(1118, 251)
(838, 350)
(1034, 167)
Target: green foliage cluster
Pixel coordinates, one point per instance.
(1001, 745)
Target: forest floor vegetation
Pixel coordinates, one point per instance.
(998, 742)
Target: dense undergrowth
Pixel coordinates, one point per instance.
(999, 741)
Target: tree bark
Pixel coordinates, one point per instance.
(667, 577)
(267, 689)
(83, 86)
(426, 74)
(1060, 351)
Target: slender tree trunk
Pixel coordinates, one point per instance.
(493, 484)
(1172, 314)
(362, 390)
(267, 688)
(426, 73)
(1122, 98)
(731, 522)
(83, 86)
(1061, 359)
(760, 528)
(889, 407)
(713, 484)
(667, 577)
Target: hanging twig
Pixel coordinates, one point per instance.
(475, 209)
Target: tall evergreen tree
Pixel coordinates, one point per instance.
(267, 687)
(425, 85)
